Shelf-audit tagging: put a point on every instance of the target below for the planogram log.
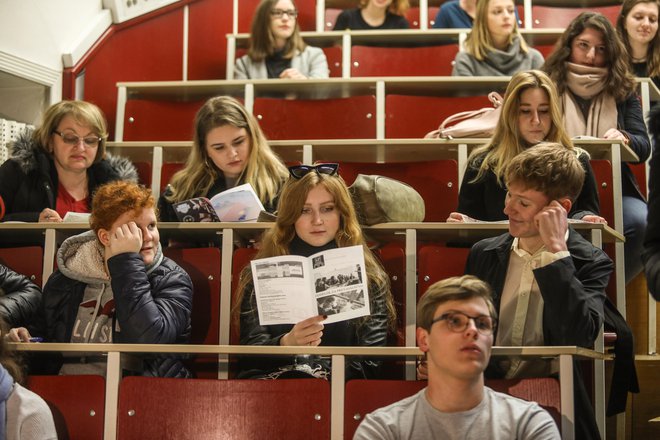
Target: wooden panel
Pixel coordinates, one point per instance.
(438, 262)
(414, 116)
(77, 403)
(556, 17)
(209, 23)
(28, 261)
(646, 404)
(131, 54)
(223, 409)
(149, 120)
(403, 61)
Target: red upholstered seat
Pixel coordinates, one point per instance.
(437, 262)
(403, 61)
(28, 261)
(560, 17)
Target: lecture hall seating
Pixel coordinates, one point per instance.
(436, 262)
(77, 404)
(560, 17)
(306, 14)
(403, 61)
(203, 266)
(435, 180)
(200, 409)
(28, 261)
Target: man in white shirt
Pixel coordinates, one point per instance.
(456, 320)
(548, 281)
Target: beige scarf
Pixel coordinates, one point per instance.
(588, 83)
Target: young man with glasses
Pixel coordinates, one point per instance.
(548, 281)
(456, 320)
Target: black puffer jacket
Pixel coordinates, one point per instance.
(152, 305)
(28, 179)
(20, 298)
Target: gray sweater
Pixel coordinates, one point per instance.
(311, 62)
(498, 62)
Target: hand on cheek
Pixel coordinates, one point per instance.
(126, 238)
(552, 224)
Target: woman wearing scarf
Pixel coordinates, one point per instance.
(113, 284)
(495, 47)
(598, 99)
(23, 414)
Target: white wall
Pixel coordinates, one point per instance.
(38, 38)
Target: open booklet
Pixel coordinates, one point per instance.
(238, 204)
(292, 288)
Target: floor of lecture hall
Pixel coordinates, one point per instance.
(644, 406)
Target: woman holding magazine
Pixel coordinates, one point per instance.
(316, 214)
(530, 114)
(229, 149)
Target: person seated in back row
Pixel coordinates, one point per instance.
(548, 281)
(374, 15)
(113, 284)
(456, 320)
(495, 46)
(276, 48)
(58, 167)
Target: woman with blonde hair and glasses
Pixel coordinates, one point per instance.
(495, 47)
(58, 167)
(530, 114)
(597, 95)
(229, 149)
(316, 214)
(276, 48)
(374, 15)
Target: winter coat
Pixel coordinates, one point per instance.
(152, 305)
(20, 298)
(29, 182)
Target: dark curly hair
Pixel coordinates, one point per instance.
(620, 82)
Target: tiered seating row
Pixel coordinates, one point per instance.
(213, 409)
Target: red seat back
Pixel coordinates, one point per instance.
(543, 390)
(436, 262)
(150, 119)
(561, 17)
(412, 15)
(403, 61)
(241, 259)
(203, 265)
(28, 261)
(168, 170)
(343, 118)
(414, 116)
(157, 408)
(333, 55)
(603, 175)
(435, 180)
(639, 171)
(77, 403)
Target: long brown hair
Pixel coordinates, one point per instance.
(653, 51)
(619, 82)
(276, 241)
(262, 40)
(479, 41)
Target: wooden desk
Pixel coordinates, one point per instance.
(115, 352)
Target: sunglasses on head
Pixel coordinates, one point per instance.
(300, 171)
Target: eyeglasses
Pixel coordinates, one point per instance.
(300, 171)
(72, 139)
(278, 13)
(458, 322)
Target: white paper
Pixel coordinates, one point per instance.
(238, 204)
(291, 288)
(76, 217)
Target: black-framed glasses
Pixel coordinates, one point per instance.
(72, 139)
(458, 322)
(278, 13)
(300, 171)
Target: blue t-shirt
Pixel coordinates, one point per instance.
(451, 16)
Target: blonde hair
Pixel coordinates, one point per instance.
(262, 39)
(479, 41)
(277, 240)
(506, 142)
(264, 170)
(84, 113)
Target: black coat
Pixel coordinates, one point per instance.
(151, 308)
(574, 308)
(354, 332)
(20, 298)
(28, 179)
(651, 253)
(484, 199)
(631, 122)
